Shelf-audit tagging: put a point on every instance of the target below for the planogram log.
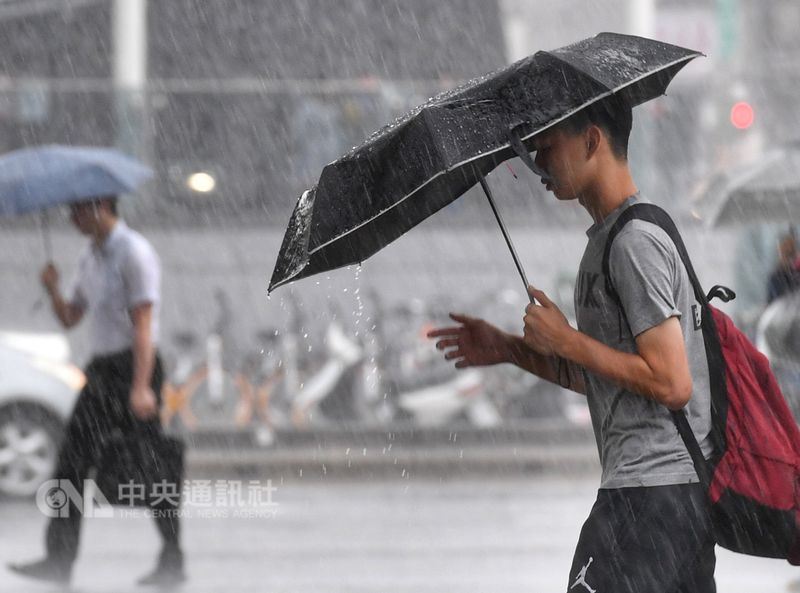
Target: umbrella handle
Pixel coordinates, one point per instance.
(504, 230)
(519, 149)
(44, 226)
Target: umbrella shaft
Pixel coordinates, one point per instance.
(44, 225)
(504, 230)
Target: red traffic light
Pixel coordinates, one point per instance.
(742, 115)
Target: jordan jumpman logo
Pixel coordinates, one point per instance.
(581, 578)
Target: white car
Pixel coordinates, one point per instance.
(38, 389)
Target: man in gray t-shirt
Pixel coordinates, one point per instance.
(635, 359)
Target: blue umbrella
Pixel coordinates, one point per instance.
(33, 179)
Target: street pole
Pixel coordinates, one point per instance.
(129, 30)
(641, 16)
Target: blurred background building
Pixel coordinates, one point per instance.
(256, 97)
(239, 104)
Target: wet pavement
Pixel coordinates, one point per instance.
(398, 534)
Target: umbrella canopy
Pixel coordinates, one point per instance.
(427, 158)
(33, 179)
(768, 190)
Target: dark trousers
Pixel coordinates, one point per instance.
(102, 411)
(646, 540)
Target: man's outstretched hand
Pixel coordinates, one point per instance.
(473, 342)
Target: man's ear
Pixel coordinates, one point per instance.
(594, 137)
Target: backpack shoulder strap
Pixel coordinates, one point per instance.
(659, 217)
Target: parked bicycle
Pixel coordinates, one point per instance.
(213, 382)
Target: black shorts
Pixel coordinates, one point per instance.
(646, 540)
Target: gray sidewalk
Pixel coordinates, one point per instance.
(532, 448)
(394, 535)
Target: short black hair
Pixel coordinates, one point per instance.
(613, 115)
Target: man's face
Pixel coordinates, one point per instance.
(563, 156)
(84, 215)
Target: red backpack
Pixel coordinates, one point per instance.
(752, 478)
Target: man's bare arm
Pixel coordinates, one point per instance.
(143, 400)
(659, 369)
(555, 369)
(143, 351)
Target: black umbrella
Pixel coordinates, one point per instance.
(427, 158)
